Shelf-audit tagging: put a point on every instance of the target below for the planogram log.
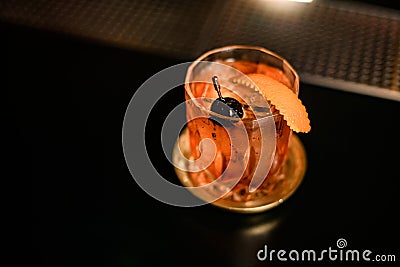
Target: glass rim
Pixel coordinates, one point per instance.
(228, 48)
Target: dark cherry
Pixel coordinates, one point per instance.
(226, 106)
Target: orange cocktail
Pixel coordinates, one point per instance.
(252, 81)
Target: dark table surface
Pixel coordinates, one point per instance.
(67, 101)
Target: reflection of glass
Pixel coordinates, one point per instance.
(265, 150)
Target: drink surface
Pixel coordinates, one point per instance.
(255, 106)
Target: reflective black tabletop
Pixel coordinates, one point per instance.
(67, 101)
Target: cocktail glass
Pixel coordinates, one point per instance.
(254, 162)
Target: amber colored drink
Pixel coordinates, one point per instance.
(207, 127)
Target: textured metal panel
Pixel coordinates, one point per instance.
(171, 27)
(340, 45)
(337, 42)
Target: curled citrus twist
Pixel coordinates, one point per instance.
(284, 99)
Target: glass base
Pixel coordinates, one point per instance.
(274, 191)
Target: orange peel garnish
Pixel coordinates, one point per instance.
(285, 100)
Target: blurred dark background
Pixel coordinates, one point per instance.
(73, 66)
(348, 45)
